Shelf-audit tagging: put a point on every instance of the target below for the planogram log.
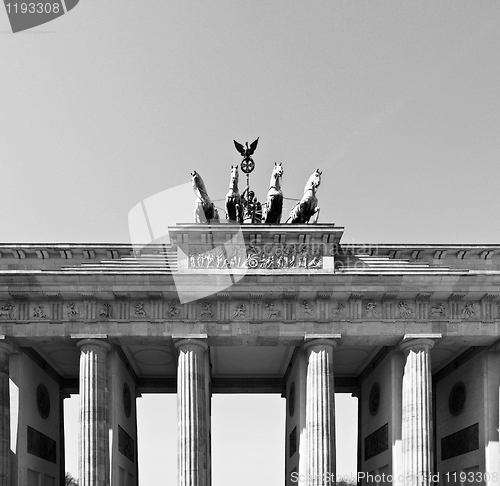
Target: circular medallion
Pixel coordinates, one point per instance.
(457, 398)
(127, 400)
(374, 399)
(253, 262)
(291, 399)
(247, 165)
(43, 401)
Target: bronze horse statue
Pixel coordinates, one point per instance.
(272, 209)
(307, 208)
(204, 209)
(234, 208)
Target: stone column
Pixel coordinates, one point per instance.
(193, 413)
(417, 412)
(320, 412)
(5, 351)
(94, 423)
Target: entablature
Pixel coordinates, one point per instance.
(233, 307)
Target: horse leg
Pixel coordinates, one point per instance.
(238, 213)
(315, 216)
(264, 213)
(293, 214)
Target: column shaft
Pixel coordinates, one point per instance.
(5, 350)
(193, 413)
(320, 412)
(417, 412)
(94, 426)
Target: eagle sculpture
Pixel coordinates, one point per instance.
(247, 151)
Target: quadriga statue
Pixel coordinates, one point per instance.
(307, 207)
(234, 207)
(272, 209)
(204, 209)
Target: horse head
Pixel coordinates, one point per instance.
(278, 170)
(233, 181)
(195, 179)
(198, 185)
(314, 181)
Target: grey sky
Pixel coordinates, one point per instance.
(397, 102)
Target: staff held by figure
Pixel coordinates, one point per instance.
(252, 209)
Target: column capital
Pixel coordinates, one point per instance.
(5, 346)
(320, 340)
(418, 342)
(201, 341)
(94, 342)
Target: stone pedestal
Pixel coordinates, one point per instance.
(193, 413)
(417, 412)
(5, 350)
(320, 412)
(94, 427)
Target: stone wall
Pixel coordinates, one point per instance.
(381, 396)
(35, 419)
(122, 423)
(466, 419)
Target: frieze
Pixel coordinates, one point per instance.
(470, 309)
(438, 310)
(271, 311)
(173, 312)
(106, 311)
(39, 312)
(270, 256)
(139, 310)
(307, 309)
(72, 311)
(206, 310)
(371, 310)
(405, 310)
(6, 311)
(255, 307)
(340, 311)
(240, 312)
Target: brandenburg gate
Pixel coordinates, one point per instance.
(411, 330)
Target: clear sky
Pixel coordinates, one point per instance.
(397, 102)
